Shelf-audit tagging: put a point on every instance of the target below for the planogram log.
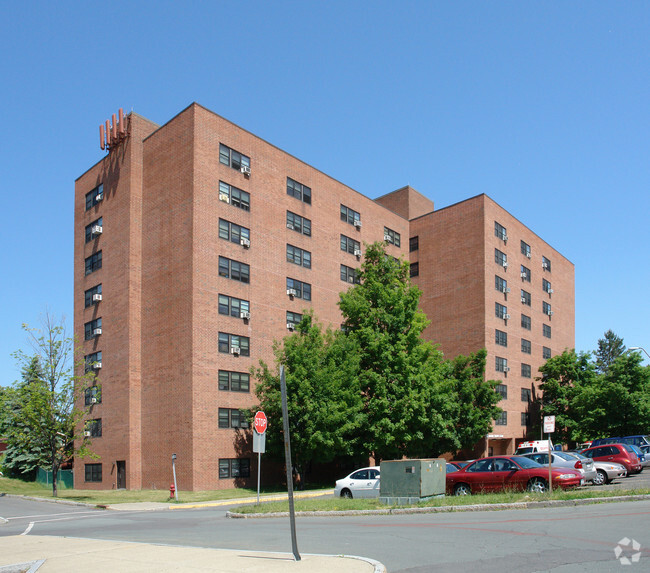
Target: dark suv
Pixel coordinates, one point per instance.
(618, 453)
(639, 440)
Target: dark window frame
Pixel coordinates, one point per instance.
(299, 223)
(93, 263)
(88, 295)
(232, 306)
(91, 196)
(299, 191)
(234, 381)
(349, 215)
(298, 256)
(227, 340)
(232, 158)
(303, 289)
(92, 473)
(230, 468)
(90, 326)
(234, 270)
(89, 229)
(234, 196)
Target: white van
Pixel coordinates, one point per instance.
(534, 447)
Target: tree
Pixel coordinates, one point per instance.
(322, 400)
(44, 420)
(610, 347)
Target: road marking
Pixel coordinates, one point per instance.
(29, 528)
(51, 514)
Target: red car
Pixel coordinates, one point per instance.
(499, 473)
(618, 453)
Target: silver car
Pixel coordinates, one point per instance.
(565, 460)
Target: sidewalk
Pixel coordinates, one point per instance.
(47, 554)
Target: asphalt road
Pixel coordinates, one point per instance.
(580, 538)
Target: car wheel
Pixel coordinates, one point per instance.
(346, 493)
(601, 478)
(462, 489)
(537, 485)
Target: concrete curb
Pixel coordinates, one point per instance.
(446, 508)
(55, 500)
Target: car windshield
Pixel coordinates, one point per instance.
(526, 463)
(524, 450)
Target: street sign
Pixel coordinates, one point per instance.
(549, 424)
(260, 422)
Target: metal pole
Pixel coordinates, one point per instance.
(174, 470)
(287, 460)
(259, 464)
(550, 457)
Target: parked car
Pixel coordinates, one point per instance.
(605, 471)
(532, 447)
(565, 460)
(640, 440)
(452, 467)
(499, 473)
(644, 459)
(360, 483)
(619, 453)
(458, 464)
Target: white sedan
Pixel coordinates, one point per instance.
(360, 483)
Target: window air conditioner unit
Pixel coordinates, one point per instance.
(357, 223)
(506, 317)
(290, 226)
(291, 292)
(97, 365)
(96, 230)
(245, 169)
(505, 264)
(524, 275)
(86, 434)
(235, 350)
(550, 313)
(523, 300)
(505, 238)
(351, 279)
(245, 315)
(550, 291)
(545, 265)
(97, 297)
(528, 255)
(387, 238)
(357, 252)
(245, 242)
(506, 368)
(99, 197)
(97, 332)
(224, 197)
(505, 290)
(290, 326)
(93, 400)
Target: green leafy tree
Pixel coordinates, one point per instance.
(610, 347)
(322, 400)
(44, 421)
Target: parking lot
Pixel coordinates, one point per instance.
(636, 481)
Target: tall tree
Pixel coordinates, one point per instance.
(45, 419)
(610, 347)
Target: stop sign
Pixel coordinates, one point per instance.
(260, 422)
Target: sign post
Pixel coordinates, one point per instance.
(260, 424)
(549, 428)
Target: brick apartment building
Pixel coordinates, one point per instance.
(197, 244)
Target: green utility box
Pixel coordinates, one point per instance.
(410, 481)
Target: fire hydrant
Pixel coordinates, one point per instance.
(172, 491)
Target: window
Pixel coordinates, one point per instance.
(93, 262)
(299, 191)
(233, 158)
(546, 264)
(546, 286)
(350, 245)
(236, 197)
(93, 328)
(94, 427)
(89, 295)
(392, 237)
(525, 395)
(95, 196)
(525, 249)
(546, 309)
(234, 270)
(228, 341)
(501, 419)
(502, 390)
(298, 223)
(349, 216)
(92, 361)
(525, 322)
(501, 364)
(234, 468)
(293, 318)
(525, 346)
(500, 258)
(501, 338)
(525, 419)
(299, 256)
(546, 330)
(94, 229)
(348, 274)
(302, 290)
(525, 273)
(525, 370)
(233, 233)
(500, 311)
(232, 418)
(500, 231)
(92, 395)
(500, 284)
(414, 270)
(525, 297)
(234, 381)
(231, 306)
(93, 472)
(414, 244)
(546, 353)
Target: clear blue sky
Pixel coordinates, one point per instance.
(544, 106)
